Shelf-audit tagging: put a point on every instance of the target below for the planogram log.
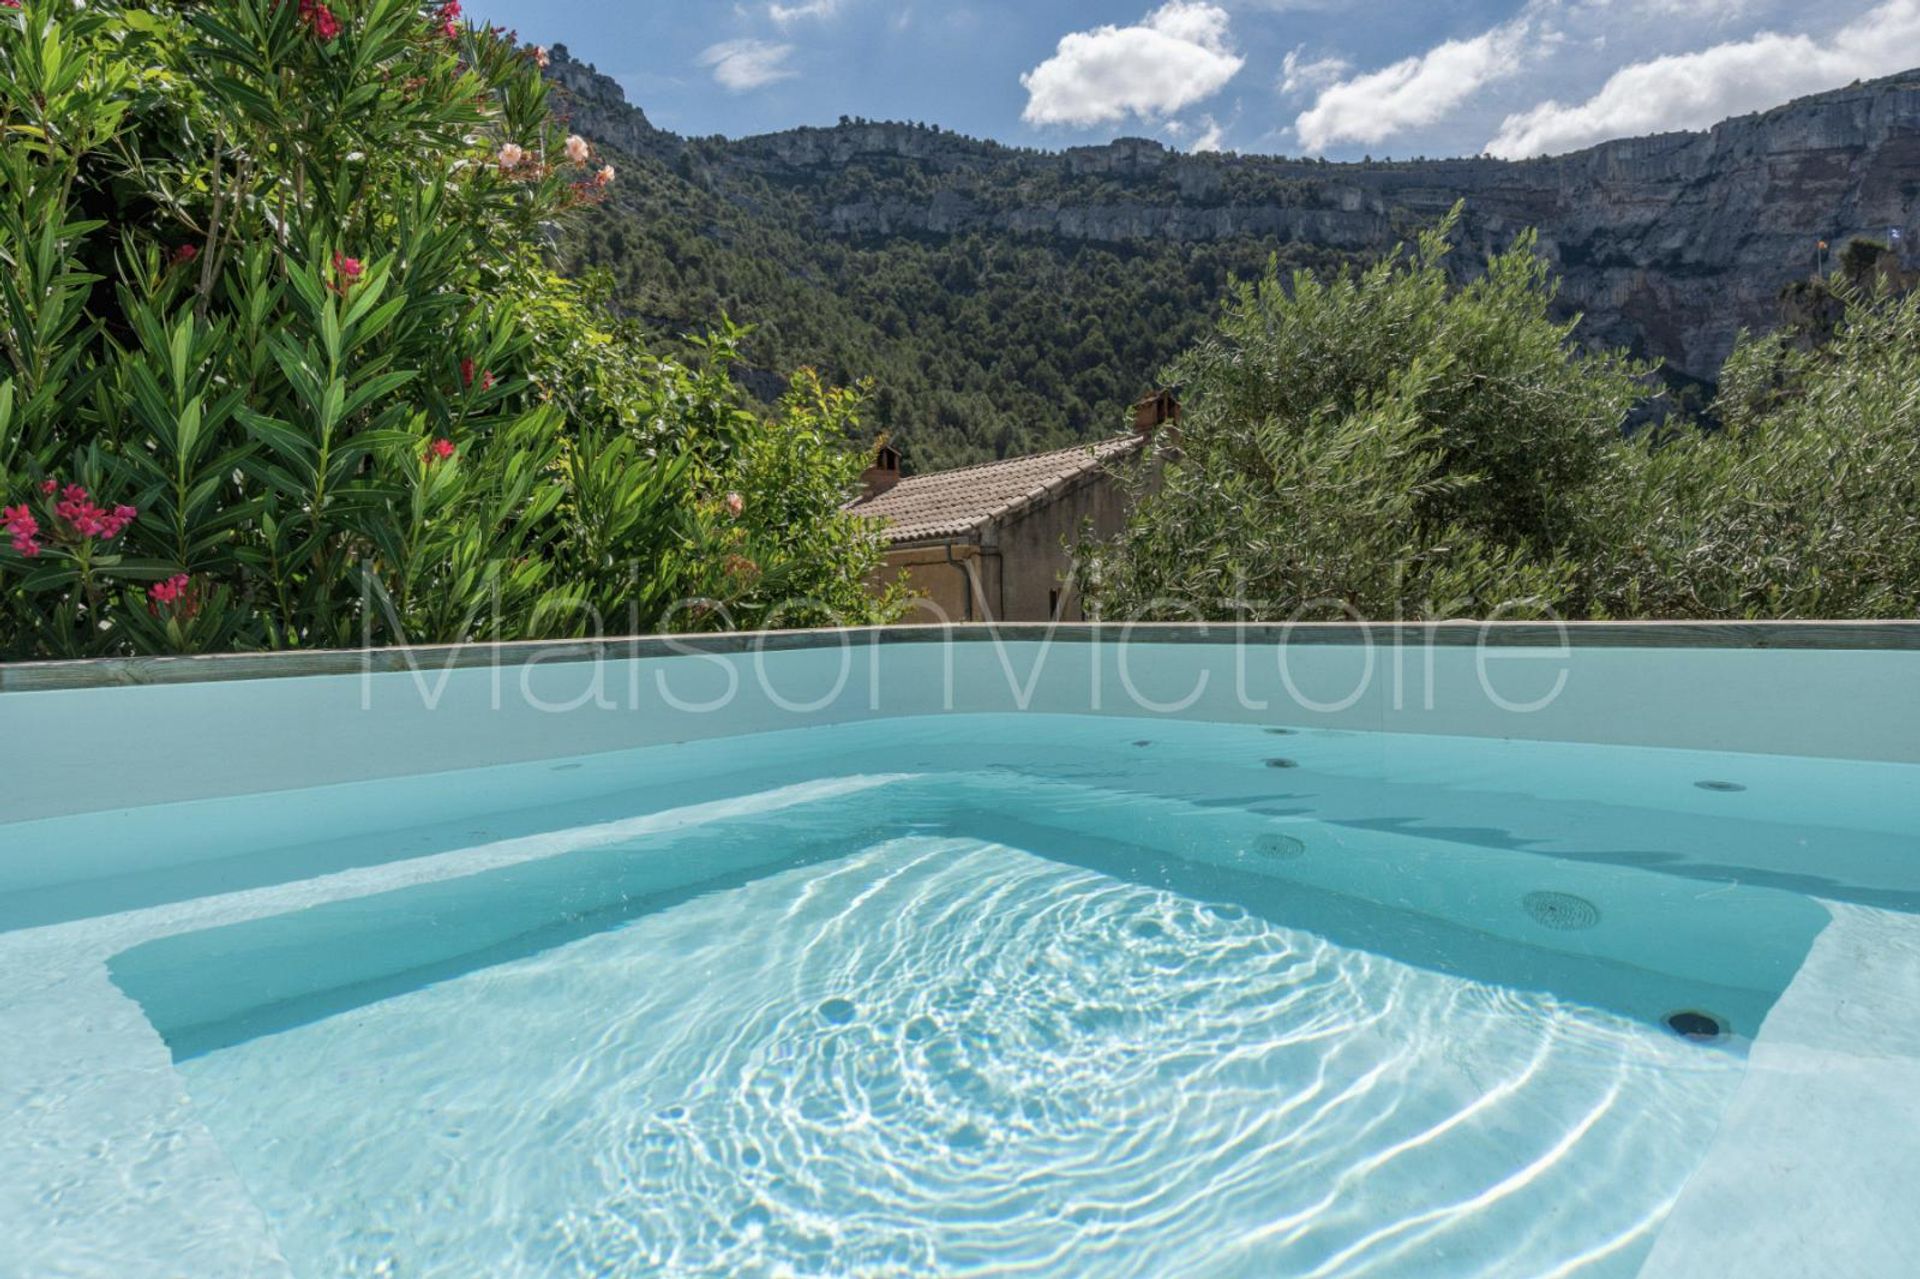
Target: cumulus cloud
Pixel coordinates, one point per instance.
(1299, 74)
(1411, 93)
(1179, 54)
(740, 65)
(1695, 90)
(1212, 136)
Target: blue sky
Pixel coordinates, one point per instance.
(1325, 77)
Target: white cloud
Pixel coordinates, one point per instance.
(788, 14)
(1695, 90)
(1411, 93)
(1178, 55)
(740, 65)
(1204, 134)
(1699, 8)
(1212, 137)
(1298, 75)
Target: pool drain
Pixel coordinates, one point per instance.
(1281, 848)
(1280, 732)
(1283, 763)
(1723, 787)
(1697, 1027)
(1562, 912)
(1143, 742)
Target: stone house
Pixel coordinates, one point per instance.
(990, 542)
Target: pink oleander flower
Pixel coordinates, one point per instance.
(604, 178)
(347, 272)
(541, 58)
(15, 4)
(577, 149)
(439, 451)
(77, 510)
(185, 253)
(178, 595)
(512, 156)
(22, 529)
(735, 504)
(317, 16)
(449, 16)
(76, 517)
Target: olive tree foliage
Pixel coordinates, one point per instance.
(1805, 503)
(282, 362)
(1398, 444)
(1387, 443)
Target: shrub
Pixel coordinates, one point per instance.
(1396, 444)
(273, 279)
(1805, 503)
(1384, 443)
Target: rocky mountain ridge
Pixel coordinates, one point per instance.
(1668, 245)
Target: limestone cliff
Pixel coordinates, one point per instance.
(1669, 245)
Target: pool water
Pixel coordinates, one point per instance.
(941, 1056)
(1056, 996)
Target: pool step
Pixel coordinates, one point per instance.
(1621, 936)
(208, 989)
(105, 1169)
(1813, 1171)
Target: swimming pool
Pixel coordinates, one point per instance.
(976, 966)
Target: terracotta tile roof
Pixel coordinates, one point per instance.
(955, 503)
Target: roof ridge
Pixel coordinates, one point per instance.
(1087, 446)
(946, 503)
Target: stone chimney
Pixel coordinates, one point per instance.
(1154, 412)
(884, 472)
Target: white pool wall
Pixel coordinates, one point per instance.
(82, 738)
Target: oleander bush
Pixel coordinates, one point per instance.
(283, 362)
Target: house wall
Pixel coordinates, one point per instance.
(1033, 556)
(942, 576)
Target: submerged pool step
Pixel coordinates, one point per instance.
(1625, 938)
(208, 989)
(1824, 1133)
(1521, 918)
(1838, 830)
(62, 869)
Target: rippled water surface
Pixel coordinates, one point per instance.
(941, 1055)
(1042, 996)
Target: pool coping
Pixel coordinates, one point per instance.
(1891, 636)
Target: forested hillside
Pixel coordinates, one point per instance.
(1003, 299)
(979, 346)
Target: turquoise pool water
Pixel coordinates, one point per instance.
(981, 995)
